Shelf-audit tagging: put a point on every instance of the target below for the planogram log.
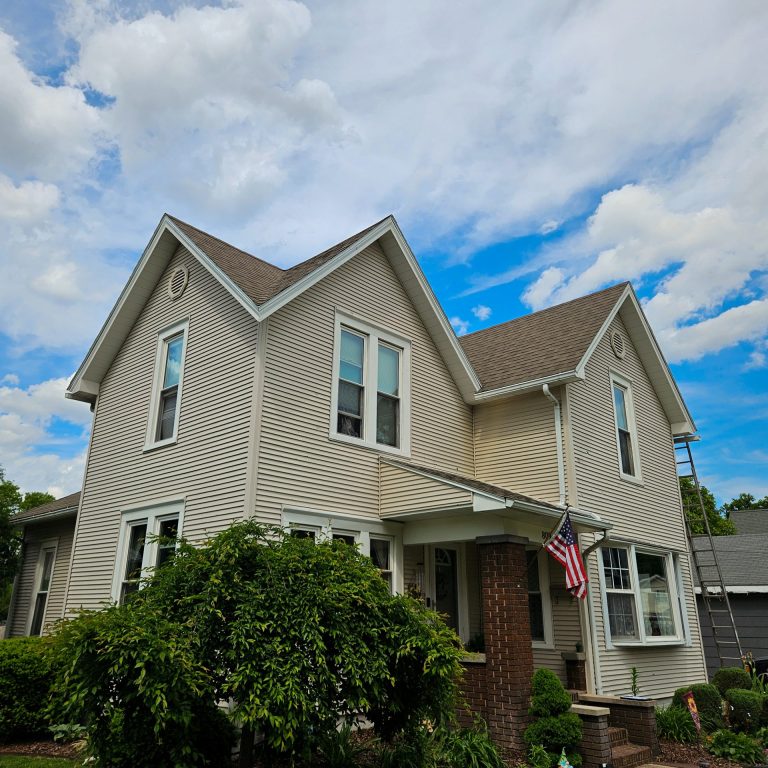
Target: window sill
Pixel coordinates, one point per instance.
(149, 447)
(379, 448)
(648, 643)
(542, 645)
(634, 479)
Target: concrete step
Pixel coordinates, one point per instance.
(630, 755)
(618, 736)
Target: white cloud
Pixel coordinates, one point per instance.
(26, 420)
(481, 312)
(29, 200)
(10, 378)
(460, 326)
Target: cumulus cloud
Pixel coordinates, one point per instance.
(27, 420)
(460, 326)
(26, 201)
(481, 312)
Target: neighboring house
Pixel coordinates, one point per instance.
(40, 587)
(744, 565)
(334, 399)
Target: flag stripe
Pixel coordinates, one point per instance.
(564, 548)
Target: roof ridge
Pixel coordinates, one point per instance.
(540, 312)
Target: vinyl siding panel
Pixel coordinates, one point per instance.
(516, 446)
(63, 532)
(299, 465)
(403, 491)
(648, 513)
(207, 465)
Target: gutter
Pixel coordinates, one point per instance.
(559, 439)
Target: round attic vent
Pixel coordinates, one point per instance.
(618, 346)
(178, 282)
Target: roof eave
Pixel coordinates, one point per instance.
(44, 518)
(524, 387)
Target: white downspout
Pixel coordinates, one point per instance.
(559, 438)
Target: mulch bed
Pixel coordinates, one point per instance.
(687, 755)
(41, 749)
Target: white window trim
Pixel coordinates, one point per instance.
(374, 335)
(324, 525)
(153, 514)
(45, 545)
(673, 580)
(548, 643)
(163, 336)
(625, 384)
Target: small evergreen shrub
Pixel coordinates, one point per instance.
(745, 709)
(732, 677)
(675, 724)
(708, 701)
(25, 683)
(737, 747)
(555, 727)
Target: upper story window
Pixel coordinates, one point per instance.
(626, 429)
(166, 390)
(370, 403)
(640, 595)
(148, 539)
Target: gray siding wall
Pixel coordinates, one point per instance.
(207, 466)
(63, 532)
(649, 513)
(516, 446)
(299, 465)
(751, 615)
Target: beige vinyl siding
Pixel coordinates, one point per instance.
(516, 448)
(648, 513)
(566, 625)
(403, 491)
(61, 531)
(207, 465)
(299, 465)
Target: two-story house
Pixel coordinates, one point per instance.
(333, 398)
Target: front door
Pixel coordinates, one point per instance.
(444, 588)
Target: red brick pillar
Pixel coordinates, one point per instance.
(507, 629)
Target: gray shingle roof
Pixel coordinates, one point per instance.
(743, 558)
(541, 344)
(750, 520)
(257, 278)
(52, 508)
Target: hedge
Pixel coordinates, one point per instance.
(708, 701)
(745, 708)
(727, 678)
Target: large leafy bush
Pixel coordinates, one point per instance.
(294, 633)
(727, 678)
(25, 682)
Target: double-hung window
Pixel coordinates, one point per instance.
(640, 595)
(166, 390)
(539, 608)
(371, 387)
(147, 541)
(43, 577)
(374, 539)
(626, 429)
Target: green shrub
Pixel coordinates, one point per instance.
(675, 724)
(708, 702)
(737, 747)
(762, 737)
(732, 677)
(548, 697)
(339, 748)
(538, 757)
(470, 748)
(25, 682)
(745, 709)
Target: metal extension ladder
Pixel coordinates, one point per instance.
(710, 577)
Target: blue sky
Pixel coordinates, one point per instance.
(532, 152)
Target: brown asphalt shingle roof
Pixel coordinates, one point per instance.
(51, 508)
(541, 344)
(259, 279)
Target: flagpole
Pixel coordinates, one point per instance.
(548, 539)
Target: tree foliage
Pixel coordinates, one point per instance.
(719, 525)
(294, 633)
(745, 501)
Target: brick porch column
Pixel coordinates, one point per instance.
(507, 629)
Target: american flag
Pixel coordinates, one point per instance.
(564, 547)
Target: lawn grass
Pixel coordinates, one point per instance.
(22, 761)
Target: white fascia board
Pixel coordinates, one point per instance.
(525, 387)
(85, 382)
(585, 520)
(683, 423)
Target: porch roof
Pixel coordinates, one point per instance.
(486, 497)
